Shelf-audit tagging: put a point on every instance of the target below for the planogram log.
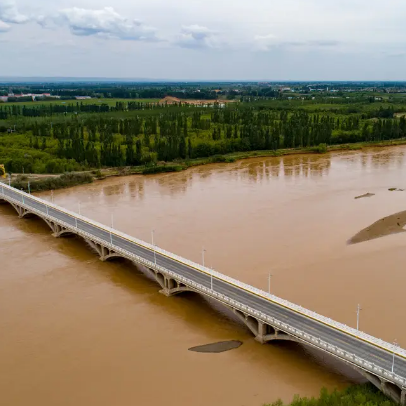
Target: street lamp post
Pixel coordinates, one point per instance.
(269, 283)
(112, 226)
(29, 188)
(395, 344)
(203, 251)
(359, 308)
(152, 234)
(79, 209)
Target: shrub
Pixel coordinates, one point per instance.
(63, 181)
(159, 169)
(320, 149)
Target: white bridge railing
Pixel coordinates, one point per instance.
(300, 335)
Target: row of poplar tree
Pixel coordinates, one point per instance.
(101, 140)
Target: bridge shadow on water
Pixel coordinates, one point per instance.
(211, 319)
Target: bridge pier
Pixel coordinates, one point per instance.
(57, 230)
(170, 287)
(20, 210)
(263, 332)
(391, 390)
(104, 253)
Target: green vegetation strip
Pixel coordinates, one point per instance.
(148, 137)
(59, 182)
(358, 395)
(82, 136)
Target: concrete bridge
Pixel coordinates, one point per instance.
(268, 317)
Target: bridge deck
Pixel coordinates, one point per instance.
(367, 349)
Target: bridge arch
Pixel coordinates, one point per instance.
(57, 230)
(105, 253)
(263, 332)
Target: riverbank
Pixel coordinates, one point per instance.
(53, 182)
(178, 166)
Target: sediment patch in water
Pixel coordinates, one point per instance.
(365, 195)
(385, 226)
(215, 348)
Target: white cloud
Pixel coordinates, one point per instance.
(296, 39)
(4, 27)
(196, 36)
(267, 42)
(105, 23)
(264, 42)
(9, 13)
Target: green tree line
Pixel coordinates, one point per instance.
(147, 136)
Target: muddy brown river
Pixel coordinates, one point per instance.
(78, 332)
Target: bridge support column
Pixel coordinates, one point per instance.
(392, 391)
(263, 332)
(20, 210)
(170, 287)
(57, 230)
(104, 253)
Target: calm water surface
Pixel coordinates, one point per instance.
(76, 331)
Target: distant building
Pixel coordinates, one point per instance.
(170, 100)
(203, 103)
(27, 95)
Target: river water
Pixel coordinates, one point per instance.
(75, 331)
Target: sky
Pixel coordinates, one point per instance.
(204, 40)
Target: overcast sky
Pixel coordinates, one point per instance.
(210, 39)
